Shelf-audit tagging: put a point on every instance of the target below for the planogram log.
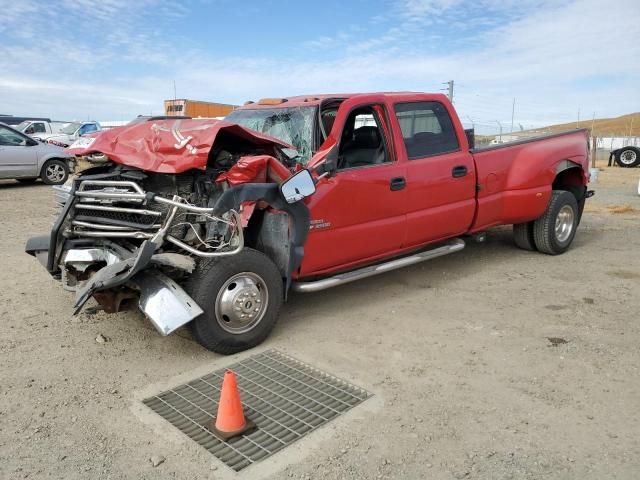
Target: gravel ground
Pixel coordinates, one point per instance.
(466, 383)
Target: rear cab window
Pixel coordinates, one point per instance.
(427, 129)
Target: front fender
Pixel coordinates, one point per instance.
(270, 193)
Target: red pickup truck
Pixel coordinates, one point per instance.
(213, 222)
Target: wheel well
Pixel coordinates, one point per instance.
(572, 180)
(268, 232)
(54, 158)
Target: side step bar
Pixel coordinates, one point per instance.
(452, 246)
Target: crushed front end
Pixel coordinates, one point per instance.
(124, 234)
(151, 200)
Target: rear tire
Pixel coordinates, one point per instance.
(54, 172)
(628, 157)
(523, 236)
(241, 296)
(554, 231)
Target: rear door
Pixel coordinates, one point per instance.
(17, 158)
(358, 215)
(440, 172)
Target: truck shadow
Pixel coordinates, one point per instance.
(440, 273)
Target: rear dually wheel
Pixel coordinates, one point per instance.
(555, 229)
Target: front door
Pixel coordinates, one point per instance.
(358, 214)
(17, 158)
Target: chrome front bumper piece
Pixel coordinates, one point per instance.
(162, 300)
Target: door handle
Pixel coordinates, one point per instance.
(459, 171)
(397, 183)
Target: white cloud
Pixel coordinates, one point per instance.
(552, 57)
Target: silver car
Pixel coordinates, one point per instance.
(26, 159)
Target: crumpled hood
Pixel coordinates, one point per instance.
(166, 146)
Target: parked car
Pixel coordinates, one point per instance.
(39, 128)
(26, 159)
(153, 118)
(70, 133)
(212, 223)
(12, 121)
(627, 157)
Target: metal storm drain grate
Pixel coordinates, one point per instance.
(284, 397)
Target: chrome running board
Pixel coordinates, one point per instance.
(452, 246)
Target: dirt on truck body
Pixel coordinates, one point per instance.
(213, 222)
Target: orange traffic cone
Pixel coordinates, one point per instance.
(230, 420)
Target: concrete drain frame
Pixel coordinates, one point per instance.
(286, 398)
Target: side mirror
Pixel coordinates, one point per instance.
(298, 186)
(471, 137)
(31, 142)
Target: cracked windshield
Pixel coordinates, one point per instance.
(291, 125)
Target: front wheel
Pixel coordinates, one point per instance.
(54, 172)
(554, 231)
(241, 296)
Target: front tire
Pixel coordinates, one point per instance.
(241, 296)
(554, 231)
(628, 157)
(54, 172)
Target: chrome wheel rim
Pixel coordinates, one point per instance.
(242, 302)
(55, 173)
(628, 157)
(564, 223)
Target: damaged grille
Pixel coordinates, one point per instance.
(120, 216)
(113, 208)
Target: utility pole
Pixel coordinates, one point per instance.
(473, 124)
(578, 122)
(500, 125)
(449, 90)
(513, 111)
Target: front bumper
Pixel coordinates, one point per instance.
(161, 300)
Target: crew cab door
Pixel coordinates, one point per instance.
(358, 214)
(441, 177)
(17, 157)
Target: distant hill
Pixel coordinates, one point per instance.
(604, 127)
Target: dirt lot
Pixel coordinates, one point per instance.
(465, 382)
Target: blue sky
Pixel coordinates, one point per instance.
(114, 59)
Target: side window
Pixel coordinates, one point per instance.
(427, 129)
(38, 127)
(9, 138)
(88, 128)
(363, 141)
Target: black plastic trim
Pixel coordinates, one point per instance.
(270, 193)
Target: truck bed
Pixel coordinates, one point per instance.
(515, 179)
